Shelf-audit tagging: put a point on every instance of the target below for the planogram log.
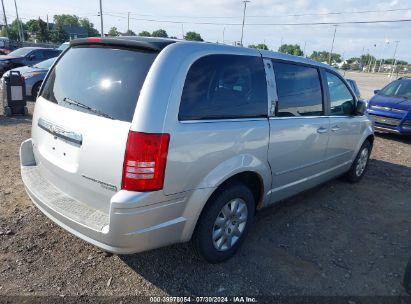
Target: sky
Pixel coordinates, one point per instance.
(181, 16)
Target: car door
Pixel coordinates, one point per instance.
(299, 129)
(345, 128)
(35, 57)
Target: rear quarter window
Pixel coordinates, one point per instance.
(224, 86)
(105, 79)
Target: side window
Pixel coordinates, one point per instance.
(38, 55)
(342, 102)
(299, 90)
(224, 86)
(50, 53)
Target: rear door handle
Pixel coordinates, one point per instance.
(322, 130)
(335, 128)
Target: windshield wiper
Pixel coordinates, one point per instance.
(81, 105)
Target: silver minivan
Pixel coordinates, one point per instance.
(138, 143)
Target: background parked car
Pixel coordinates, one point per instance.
(26, 56)
(4, 51)
(33, 76)
(64, 46)
(390, 107)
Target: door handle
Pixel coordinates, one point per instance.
(322, 130)
(335, 128)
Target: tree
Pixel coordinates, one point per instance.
(323, 56)
(43, 34)
(37, 29)
(159, 33)
(71, 20)
(260, 46)
(144, 34)
(193, 36)
(32, 26)
(58, 35)
(114, 32)
(89, 27)
(292, 49)
(13, 31)
(129, 33)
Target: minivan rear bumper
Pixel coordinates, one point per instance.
(129, 227)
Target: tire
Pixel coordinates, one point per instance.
(8, 112)
(232, 223)
(35, 91)
(360, 164)
(25, 111)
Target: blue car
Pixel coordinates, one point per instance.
(390, 107)
(33, 77)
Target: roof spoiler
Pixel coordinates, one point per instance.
(147, 45)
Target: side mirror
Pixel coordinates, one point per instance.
(360, 110)
(377, 91)
(31, 57)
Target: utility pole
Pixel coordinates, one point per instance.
(387, 42)
(128, 22)
(21, 33)
(368, 60)
(101, 19)
(5, 19)
(48, 28)
(394, 59)
(223, 34)
(242, 28)
(332, 44)
(182, 30)
(370, 67)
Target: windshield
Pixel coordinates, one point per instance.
(105, 81)
(46, 64)
(397, 88)
(20, 52)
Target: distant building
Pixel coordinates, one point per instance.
(75, 32)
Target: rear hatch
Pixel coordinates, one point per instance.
(83, 116)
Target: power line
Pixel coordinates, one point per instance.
(266, 24)
(270, 16)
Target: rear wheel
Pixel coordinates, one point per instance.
(224, 223)
(359, 166)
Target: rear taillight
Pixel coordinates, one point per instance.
(145, 161)
(94, 39)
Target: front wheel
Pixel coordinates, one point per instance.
(360, 164)
(224, 223)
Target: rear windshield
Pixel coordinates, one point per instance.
(99, 80)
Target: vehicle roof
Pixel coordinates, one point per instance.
(158, 44)
(35, 48)
(287, 57)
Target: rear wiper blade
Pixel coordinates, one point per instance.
(81, 105)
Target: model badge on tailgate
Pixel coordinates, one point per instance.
(102, 184)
